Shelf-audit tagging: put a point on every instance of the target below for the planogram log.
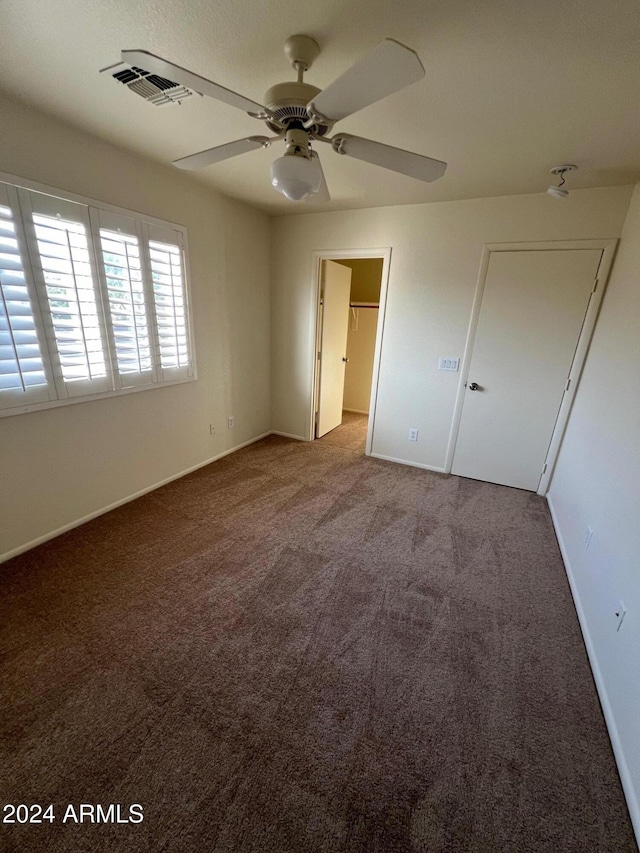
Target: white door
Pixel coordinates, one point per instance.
(336, 292)
(533, 307)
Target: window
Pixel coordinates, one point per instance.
(93, 301)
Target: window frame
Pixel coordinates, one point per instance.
(145, 225)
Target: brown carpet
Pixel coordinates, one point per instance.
(301, 650)
(350, 435)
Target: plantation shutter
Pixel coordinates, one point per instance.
(58, 237)
(24, 370)
(118, 242)
(165, 258)
(93, 300)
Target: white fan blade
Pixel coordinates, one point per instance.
(414, 165)
(163, 68)
(323, 193)
(221, 152)
(387, 68)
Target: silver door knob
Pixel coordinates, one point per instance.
(345, 359)
(473, 386)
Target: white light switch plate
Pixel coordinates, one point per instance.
(448, 363)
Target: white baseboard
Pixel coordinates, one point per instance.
(628, 787)
(288, 435)
(53, 533)
(406, 462)
(356, 411)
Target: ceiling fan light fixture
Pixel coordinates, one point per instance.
(296, 176)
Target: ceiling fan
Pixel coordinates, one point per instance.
(296, 112)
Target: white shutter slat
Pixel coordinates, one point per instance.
(10, 261)
(12, 277)
(27, 354)
(17, 339)
(14, 291)
(19, 314)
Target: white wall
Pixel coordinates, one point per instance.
(597, 483)
(60, 465)
(436, 251)
(361, 344)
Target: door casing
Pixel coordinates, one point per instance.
(332, 255)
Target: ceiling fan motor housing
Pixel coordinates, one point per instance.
(288, 102)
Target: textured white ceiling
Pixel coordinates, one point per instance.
(513, 87)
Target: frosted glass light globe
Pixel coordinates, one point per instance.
(295, 177)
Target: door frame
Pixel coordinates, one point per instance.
(348, 254)
(608, 247)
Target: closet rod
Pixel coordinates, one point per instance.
(364, 305)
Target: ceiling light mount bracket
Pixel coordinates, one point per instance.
(301, 51)
(561, 170)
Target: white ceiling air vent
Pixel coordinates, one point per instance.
(155, 89)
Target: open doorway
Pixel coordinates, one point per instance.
(351, 298)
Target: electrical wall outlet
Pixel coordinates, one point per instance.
(413, 435)
(230, 422)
